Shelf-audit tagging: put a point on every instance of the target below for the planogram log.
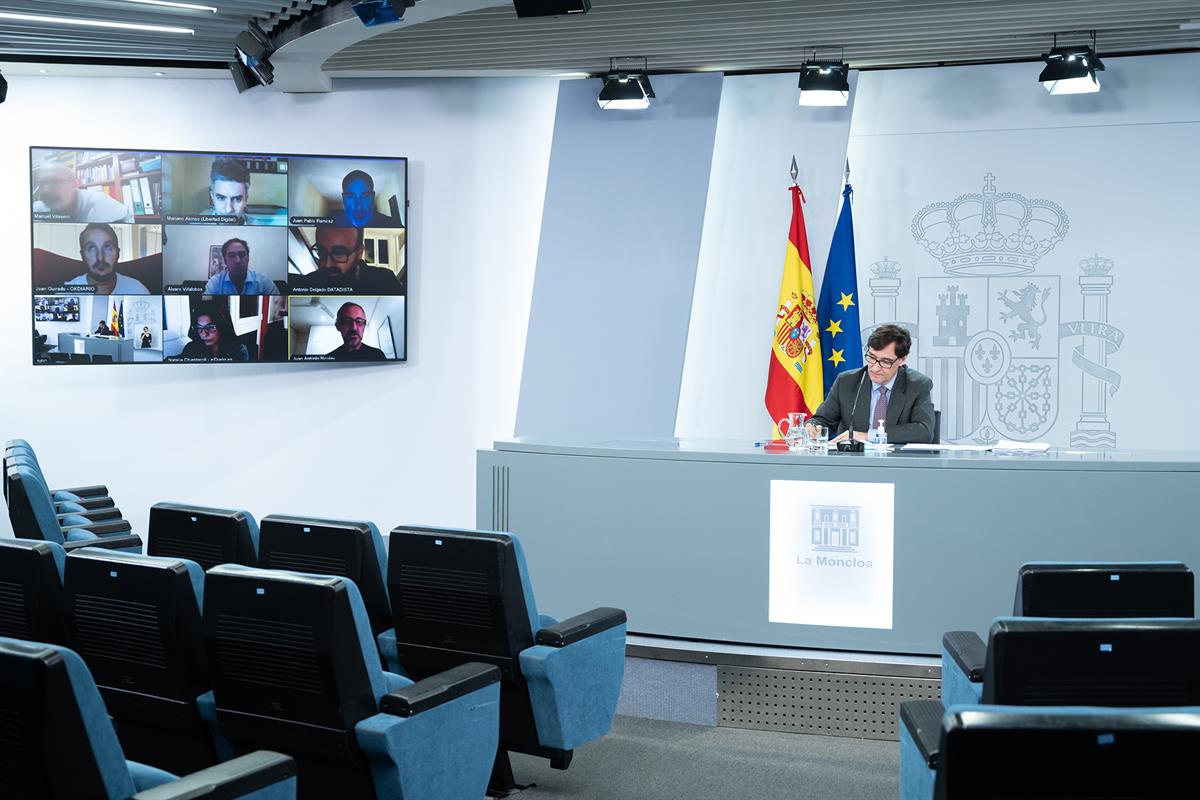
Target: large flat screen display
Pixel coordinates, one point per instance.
(167, 256)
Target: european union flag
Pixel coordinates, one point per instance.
(837, 310)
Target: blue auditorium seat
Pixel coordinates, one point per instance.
(1036, 661)
(56, 741)
(347, 548)
(294, 669)
(1079, 590)
(135, 621)
(1066, 752)
(465, 595)
(40, 521)
(95, 496)
(208, 536)
(31, 590)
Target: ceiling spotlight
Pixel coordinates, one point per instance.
(1071, 70)
(625, 90)
(252, 49)
(824, 83)
(3, 89)
(550, 8)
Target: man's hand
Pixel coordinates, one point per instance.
(859, 436)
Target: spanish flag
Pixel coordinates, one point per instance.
(115, 326)
(794, 380)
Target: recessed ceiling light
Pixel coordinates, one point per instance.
(159, 74)
(172, 4)
(94, 23)
(42, 71)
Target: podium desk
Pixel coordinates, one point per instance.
(121, 350)
(678, 532)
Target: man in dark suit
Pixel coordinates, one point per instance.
(886, 389)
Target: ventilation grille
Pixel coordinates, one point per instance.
(828, 703)
(500, 476)
(14, 620)
(123, 630)
(268, 653)
(444, 596)
(305, 562)
(206, 554)
(1079, 690)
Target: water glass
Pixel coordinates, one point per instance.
(817, 440)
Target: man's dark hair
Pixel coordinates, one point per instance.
(242, 242)
(99, 226)
(882, 336)
(358, 173)
(229, 169)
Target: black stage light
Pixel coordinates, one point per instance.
(3, 89)
(243, 78)
(824, 83)
(253, 49)
(1071, 70)
(629, 91)
(551, 8)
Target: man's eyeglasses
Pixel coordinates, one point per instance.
(345, 322)
(204, 328)
(886, 363)
(339, 255)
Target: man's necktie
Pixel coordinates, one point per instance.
(880, 407)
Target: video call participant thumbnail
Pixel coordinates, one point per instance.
(358, 204)
(237, 277)
(212, 336)
(228, 189)
(351, 322)
(56, 191)
(100, 252)
(338, 256)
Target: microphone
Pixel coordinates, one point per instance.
(850, 445)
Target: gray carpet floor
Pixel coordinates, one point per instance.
(644, 759)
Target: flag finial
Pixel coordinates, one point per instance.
(847, 170)
(794, 172)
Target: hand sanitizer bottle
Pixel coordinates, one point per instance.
(880, 436)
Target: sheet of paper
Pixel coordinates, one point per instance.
(953, 448)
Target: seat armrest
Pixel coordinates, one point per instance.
(233, 779)
(95, 503)
(923, 721)
(84, 491)
(95, 515)
(438, 689)
(968, 651)
(580, 627)
(103, 528)
(128, 541)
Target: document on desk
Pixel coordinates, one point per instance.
(1006, 447)
(81, 346)
(953, 448)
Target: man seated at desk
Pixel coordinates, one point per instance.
(895, 393)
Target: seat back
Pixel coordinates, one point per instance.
(460, 596)
(55, 739)
(135, 621)
(1046, 753)
(937, 427)
(352, 550)
(208, 536)
(293, 669)
(1132, 589)
(31, 590)
(1044, 662)
(30, 507)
